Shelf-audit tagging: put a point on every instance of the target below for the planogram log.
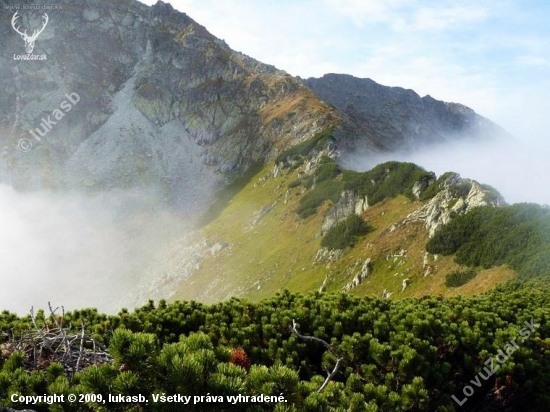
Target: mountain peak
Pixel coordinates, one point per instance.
(383, 118)
(162, 103)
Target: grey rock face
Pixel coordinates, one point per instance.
(360, 276)
(164, 104)
(348, 204)
(168, 107)
(457, 196)
(421, 185)
(328, 256)
(260, 214)
(218, 247)
(385, 118)
(340, 211)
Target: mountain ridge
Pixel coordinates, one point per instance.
(407, 285)
(170, 114)
(159, 94)
(398, 119)
(165, 84)
(267, 239)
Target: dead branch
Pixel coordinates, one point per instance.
(45, 344)
(81, 347)
(339, 359)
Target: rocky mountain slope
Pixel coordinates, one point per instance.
(144, 106)
(166, 106)
(163, 104)
(392, 118)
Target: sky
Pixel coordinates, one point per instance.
(493, 56)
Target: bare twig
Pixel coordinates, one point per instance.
(33, 318)
(44, 345)
(81, 347)
(62, 334)
(339, 359)
(331, 375)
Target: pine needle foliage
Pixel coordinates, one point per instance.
(409, 355)
(345, 233)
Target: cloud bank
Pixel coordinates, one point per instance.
(79, 250)
(517, 170)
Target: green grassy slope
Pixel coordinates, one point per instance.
(279, 250)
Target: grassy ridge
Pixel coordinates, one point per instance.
(384, 181)
(280, 250)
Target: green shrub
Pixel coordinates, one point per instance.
(459, 278)
(436, 186)
(327, 190)
(327, 169)
(317, 142)
(491, 193)
(517, 235)
(295, 183)
(384, 181)
(404, 355)
(345, 233)
(460, 190)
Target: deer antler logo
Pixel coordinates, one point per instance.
(29, 40)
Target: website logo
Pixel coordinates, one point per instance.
(29, 40)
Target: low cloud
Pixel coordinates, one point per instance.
(79, 250)
(517, 170)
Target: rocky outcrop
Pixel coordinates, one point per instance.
(360, 277)
(323, 287)
(421, 185)
(361, 205)
(457, 195)
(164, 105)
(167, 106)
(404, 285)
(428, 263)
(260, 214)
(325, 255)
(349, 203)
(318, 156)
(218, 247)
